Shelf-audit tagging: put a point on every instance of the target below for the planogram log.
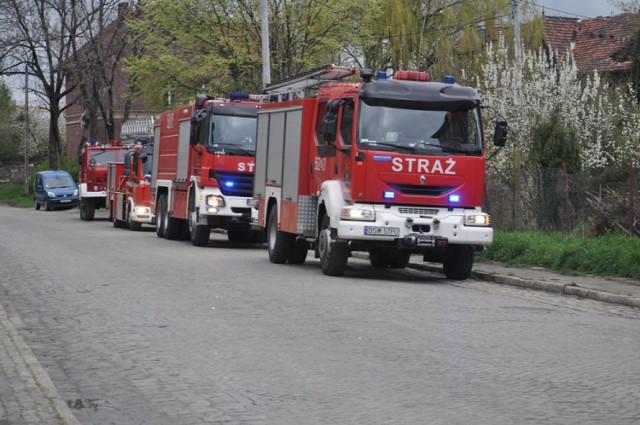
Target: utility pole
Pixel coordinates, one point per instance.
(266, 54)
(517, 153)
(26, 129)
(515, 4)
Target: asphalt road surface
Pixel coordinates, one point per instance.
(133, 329)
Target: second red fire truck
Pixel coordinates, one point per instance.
(391, 166)
(202, 176)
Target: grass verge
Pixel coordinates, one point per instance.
(13, 195)
(610, 255)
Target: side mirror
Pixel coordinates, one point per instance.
(196, 120)
(329, 128)
(500, 134)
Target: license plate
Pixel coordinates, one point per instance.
(62, 201)
(381, 231)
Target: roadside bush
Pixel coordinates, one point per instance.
(609, 255)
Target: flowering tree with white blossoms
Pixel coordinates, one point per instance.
(607, 118)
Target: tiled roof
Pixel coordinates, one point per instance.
(603, 43)
(559, 32)
(606, 43)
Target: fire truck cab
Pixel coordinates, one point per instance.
(393, 167)
(202, 175)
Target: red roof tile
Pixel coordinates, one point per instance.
(559, 32)
(606, 43)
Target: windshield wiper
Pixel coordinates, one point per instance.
(391, 145)
(232, 148)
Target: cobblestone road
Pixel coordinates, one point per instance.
(136, 330)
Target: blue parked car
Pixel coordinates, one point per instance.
(55, 189)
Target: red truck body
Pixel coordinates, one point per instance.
(92, 177)
(129, 189)
(390, 167)
(203, 169)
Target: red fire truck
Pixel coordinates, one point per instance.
(129, 182)
(391, 166)
(93, 175)
(202, 178)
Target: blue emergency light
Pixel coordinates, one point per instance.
(389, 194)
(454, 199)
(229, 184)
(381, 75)
(234, 95)
(449, 79)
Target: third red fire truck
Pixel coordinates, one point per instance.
(129, 181)
(389, 166)
(203, 169)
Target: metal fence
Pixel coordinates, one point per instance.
(552, 200)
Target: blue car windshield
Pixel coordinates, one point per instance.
(58, 182)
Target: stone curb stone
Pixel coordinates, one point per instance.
(39, 374)
(553, 287)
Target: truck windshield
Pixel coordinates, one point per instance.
(232, 134)
(102, 157)
(419, 131)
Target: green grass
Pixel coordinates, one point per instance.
(610, 255)
(13, 194)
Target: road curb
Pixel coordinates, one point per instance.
(571, 289)
(41, 377)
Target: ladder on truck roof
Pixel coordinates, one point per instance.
(137, 129)
(295, 86)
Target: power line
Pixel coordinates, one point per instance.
(534, 3)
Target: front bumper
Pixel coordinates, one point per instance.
(416, 229)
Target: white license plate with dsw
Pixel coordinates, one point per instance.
(381, 231)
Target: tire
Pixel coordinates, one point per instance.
(399, 259)
(36, 205)
(279, 244)
(87, 210)
(173, 227)
(333, 255)
(47, 207)
(161, 212)
(198, 233)
(378, 258)
(299, 252)
(134, 226)
(458, 262)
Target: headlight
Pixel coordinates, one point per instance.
(215, 201)
(477, 220)
(142, 211)
(361, 214)
(75, 192)
(51, 194)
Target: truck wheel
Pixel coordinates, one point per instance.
(173, 227)
(378, 258)
(299, 253)
(333, 255)
(458, 261)
(161, 212)
(87, 210)
(133, 225)
(279, 244)
(36, 205)
(399, 259)
(198, 233)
